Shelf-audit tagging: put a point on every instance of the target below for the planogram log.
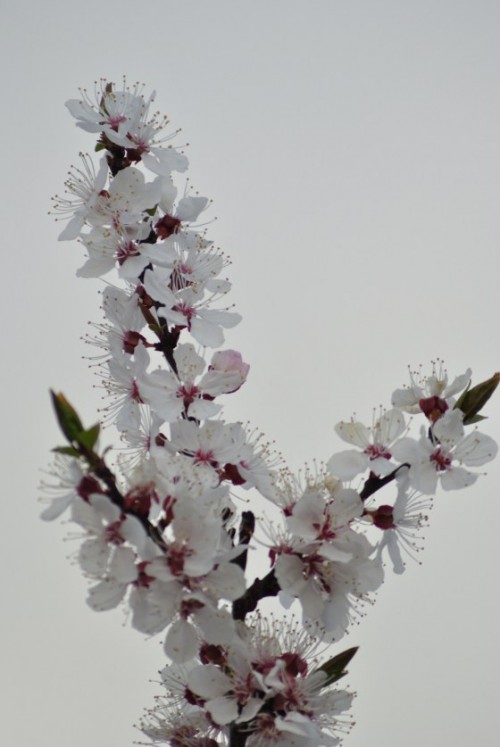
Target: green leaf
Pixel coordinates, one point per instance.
(68, 419)
(474, 399)
(336, 668)
(99, 146)
(68, 450)
(89, 438)
(475, 419)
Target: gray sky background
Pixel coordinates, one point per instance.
(352, 151)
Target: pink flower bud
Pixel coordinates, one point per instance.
(230, 361)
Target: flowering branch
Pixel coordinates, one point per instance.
(163, 529)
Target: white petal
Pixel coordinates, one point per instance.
(106, 596)
(229, 581)
(407, 399)
(208, 681)
(57, 507)
(289, 573)
(217, 626)
(122, 566)
(222, 710)
(476, 449)
(206, 333)
(392, 425)
(347, 464)
(93, 556)
(449, 428)
(189, 208)
(353, 433)
(457, 478)
(181, 643)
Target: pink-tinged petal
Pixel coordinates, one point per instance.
(229, 361)
(220, 382)
(347, 464)
(181, 643)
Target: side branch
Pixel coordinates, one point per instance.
(261, 587)
(374, 483)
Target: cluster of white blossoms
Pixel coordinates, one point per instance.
(163, 531)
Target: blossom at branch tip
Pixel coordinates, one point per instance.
(439, 459)
(123, 117)
(432, 394)
(111, 109)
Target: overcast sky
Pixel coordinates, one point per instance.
(352, 151)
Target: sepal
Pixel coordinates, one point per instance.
(475, 398)
(335, 668)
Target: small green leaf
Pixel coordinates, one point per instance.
(473, 399)
(68, 450)
(68, 419)
(99, 146)
(88, 438)
(475, 419)
(336, 668)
